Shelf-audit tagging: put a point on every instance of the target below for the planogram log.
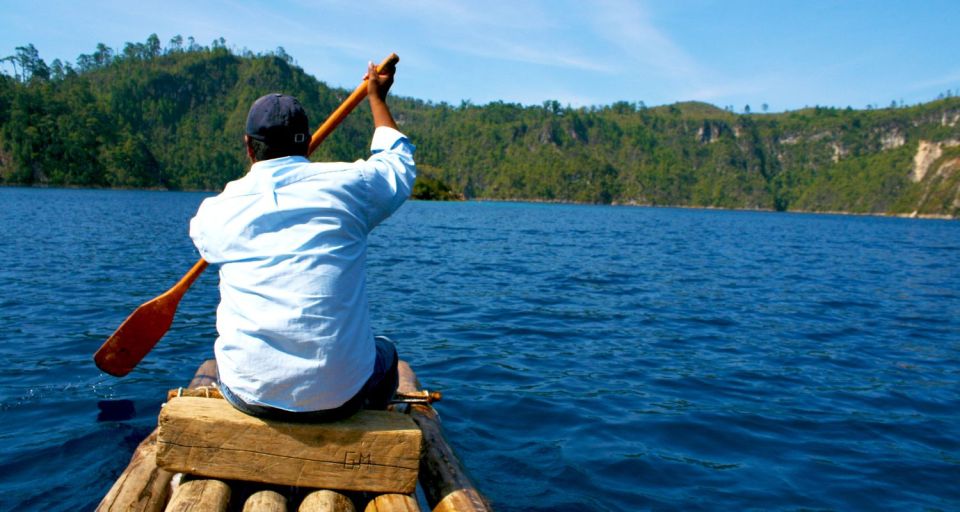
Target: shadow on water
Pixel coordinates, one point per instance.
(116, 410)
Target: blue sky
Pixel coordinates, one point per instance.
(787, 54)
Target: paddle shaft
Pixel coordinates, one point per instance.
(141, 331)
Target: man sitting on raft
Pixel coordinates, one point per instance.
(295, 341)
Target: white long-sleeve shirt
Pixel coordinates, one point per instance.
(291, 241)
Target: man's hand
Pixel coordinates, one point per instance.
(378, 84)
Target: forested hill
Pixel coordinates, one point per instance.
(172, 117)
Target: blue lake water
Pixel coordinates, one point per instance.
(591, 358)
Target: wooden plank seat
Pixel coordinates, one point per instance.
(374, 451)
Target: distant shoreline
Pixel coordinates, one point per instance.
(920, 216)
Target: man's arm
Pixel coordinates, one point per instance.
(378, 84)
(390, 171)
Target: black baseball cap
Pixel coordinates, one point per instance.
(278, 120)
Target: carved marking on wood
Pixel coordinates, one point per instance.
(356, 460)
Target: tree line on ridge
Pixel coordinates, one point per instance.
(171, 117)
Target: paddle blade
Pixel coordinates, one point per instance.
(136, 336)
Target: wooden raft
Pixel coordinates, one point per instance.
(445, 482)
(445, 485)
(144, 487)
(375, 451)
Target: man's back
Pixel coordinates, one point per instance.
(291, 239)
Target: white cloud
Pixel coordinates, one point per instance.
(523, 32)
(627, 27)
(946, 80)
(512, 50)
(730, 89)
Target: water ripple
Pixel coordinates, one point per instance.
(592, 358)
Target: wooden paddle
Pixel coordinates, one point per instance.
(141, 331)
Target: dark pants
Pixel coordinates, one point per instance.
(375, 394)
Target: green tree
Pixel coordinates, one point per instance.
(32, 67)
(173, 119)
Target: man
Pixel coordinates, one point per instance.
(295, 341)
